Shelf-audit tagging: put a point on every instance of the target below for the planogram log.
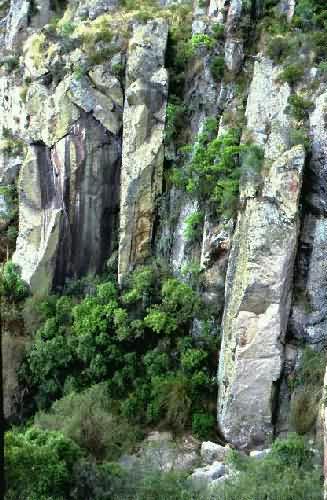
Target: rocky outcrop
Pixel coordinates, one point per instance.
(258, 300)
(324, 403)
(68, 197)
(143, 136)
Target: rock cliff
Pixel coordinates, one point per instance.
(97, 99)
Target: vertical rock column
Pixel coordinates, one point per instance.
(324, 402)
(260, 271)
(143, 136)
(258, 300)
(309, 314)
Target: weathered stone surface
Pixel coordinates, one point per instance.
(234, 15)
(234, 54)
(213, 452)
(217, 9)
(50, 115)
(13, 350)
(17, 22)
(202, 476)
(90, 100)
(325, 435)
(287, 7)
(108, 84)
(160, 452)
(41, 210)
(12, 109)
(93, 8)
(258, 296)
(142, 157)
(267, 101)
(260, 453)
(68, 198)
(216, 244)
(309, 312)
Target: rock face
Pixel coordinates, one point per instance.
(213, 452)
(325, 434)
(143, 154)
(309, 313)
(68, 197)
(82, 135)
(258, 300)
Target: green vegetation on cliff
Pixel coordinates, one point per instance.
(137, 340)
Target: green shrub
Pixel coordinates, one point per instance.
(39, 464)
(287, 473)
(10, 195)
(218, 31)
(292, 73)
(212, 168)
(200, 40)
(12, 287)
(10, 145)
(174, 120)
(132, 339)
(172, 400)
(299, 136)
(87, 418)
(193, 226)
(308, 384)
(278, 48)
(203, 425)
(217, 67)
(9, 63)
(299, 107)
(164, 486)
(106, 481)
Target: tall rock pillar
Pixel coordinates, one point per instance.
(143, 136)
(260, 271)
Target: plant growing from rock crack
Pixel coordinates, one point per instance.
(212, 167)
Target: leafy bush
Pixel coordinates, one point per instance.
(39, 464)
(201, 40)
(212, 168)
(193, 226)
(278, 48)
(307, 384)
(10, 196)
(174, 120)
(10, 145)
(299, 136)
(292, 73)
(299, 106)
(138, 340)
(287, 473)
(87, 419)
(12, 287)
(105, 481)
(218, 31)
(203, 425)
(217, 67)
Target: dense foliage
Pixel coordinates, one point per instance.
(137, 340)
(286, 473)
(58, 471)
(39, 464)
(212, 167)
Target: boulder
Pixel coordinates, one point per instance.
(205, 475)
(213, 452)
